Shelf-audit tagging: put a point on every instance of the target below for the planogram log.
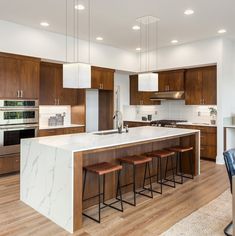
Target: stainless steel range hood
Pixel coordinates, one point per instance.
(168, 95)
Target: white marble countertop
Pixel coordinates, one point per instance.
(91, 141)
(60, 126)
(196, 124)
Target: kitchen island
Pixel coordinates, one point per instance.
(51, 167)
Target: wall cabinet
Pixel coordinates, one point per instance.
(171, 80)
(19, 76)
(200, 86)
(208, 140)
(102, 78)
(51, 86)
(137, 97)
(60, 131)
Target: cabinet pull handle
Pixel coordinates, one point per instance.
(55, 101)
(17, 93)
(58, 101)
(21, 93)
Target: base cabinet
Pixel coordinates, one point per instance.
(208, 140)
(10, 163)
(135, 123)
(60, 131)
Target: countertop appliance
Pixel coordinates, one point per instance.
(166, 123)
(18, 119)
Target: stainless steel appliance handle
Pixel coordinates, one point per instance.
(19, 109)
(22, 127)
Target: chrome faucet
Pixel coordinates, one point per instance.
(119, 122)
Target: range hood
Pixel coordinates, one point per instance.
(168, 95)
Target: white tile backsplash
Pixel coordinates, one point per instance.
(169, 110)
(46, 111)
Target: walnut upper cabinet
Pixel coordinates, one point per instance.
(137, 97)
(200, 86)
(51, 86)
(171, 80)
(102, 78)
(19, 76)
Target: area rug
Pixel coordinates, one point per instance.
(209, 220)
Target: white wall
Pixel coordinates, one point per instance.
(24, 40)
(92, 113)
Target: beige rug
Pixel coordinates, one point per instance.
(209, 220)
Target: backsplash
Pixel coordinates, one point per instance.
(169, 110)
(46, 111)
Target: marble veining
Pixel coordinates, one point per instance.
(47, 182)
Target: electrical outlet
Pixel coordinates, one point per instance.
(155, 112)
(198, 113)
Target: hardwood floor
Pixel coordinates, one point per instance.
(150, 217)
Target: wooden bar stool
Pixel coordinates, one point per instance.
(160, 155)
(179, 151)
(136, 161)
(101, 169)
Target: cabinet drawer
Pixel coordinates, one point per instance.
(74, 130)
(208, 152)
(50, 132)
(136, 124)
(208, 139)
(9, 164)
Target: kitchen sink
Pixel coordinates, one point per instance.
(107, 132)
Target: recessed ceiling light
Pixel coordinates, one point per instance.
(138, 49)
(79, 7)
(222, 31)
(44, 24)
(99, 38)
(136, 27)
(174, 41)
(188, 12)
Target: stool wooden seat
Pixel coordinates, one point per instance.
(179, 151)
(103, 168)
(159, 155)
(134, 161)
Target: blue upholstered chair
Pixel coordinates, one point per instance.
(229, 158)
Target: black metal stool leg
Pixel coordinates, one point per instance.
(181, 169)
(99, 182)
(120, 190)
(191, 166)
(103, 189)
(134, 186)
(150, 181)
(172, 168)
(160, 168)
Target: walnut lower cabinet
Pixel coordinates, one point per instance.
(208, 140)
(10, 163)
(136, 123)
(60, 131)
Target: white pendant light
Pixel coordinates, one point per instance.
(148, 81)
(77, 74)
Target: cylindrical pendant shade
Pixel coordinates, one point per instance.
(76, 75)
(148, 82)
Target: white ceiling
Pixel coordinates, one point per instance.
(113, 19)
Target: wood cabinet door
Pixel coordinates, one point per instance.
(107, 80)
(135, 95)
(96, 75)
(29, 72)
(48, 74)
(9, 77)
(209, 85)
(65, 96)
(171, 80)
(145, 96)
(193, 87)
